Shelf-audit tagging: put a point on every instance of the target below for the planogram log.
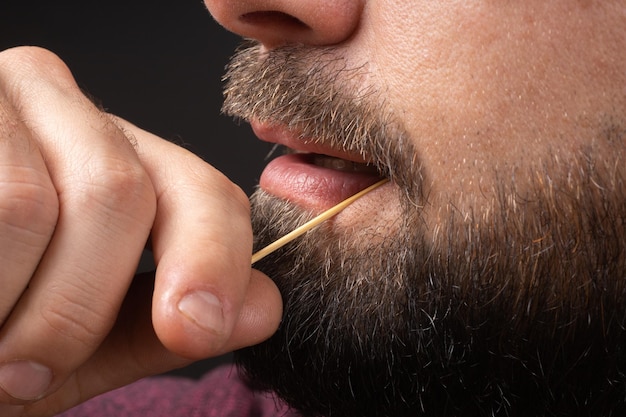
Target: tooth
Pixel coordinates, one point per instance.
(341, 164)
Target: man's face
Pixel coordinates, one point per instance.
(488, 276)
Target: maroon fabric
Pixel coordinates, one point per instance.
(221, 393)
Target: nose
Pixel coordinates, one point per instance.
(279, 22)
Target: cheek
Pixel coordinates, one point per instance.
(437, 76)
(441, 91)
(491, 86)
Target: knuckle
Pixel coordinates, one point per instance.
(28, 201)
(21, 67)
(114, 184)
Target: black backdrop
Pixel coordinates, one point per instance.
(156, 63)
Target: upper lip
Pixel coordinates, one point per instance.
(280, 134)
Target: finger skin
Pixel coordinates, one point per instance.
(260, 315)
(28, 208)
(208, 249)
(133, 349)
(115, 185)
(106, 206)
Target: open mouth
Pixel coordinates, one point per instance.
(311, 174)
(316, 181)
(335, 163)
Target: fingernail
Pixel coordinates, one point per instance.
(204, 309)
(11, 410)
(25, 380)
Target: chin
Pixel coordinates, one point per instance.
(517, 313)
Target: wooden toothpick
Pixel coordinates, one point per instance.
(313, 223)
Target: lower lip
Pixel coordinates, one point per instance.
(293, 178)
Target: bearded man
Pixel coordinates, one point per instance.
(485, 278)
(488, 276)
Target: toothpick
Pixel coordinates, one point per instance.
(312, 223)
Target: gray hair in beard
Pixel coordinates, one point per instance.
(518, 309)
(520, 313)
(315, 93)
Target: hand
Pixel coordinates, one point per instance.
(81, 192)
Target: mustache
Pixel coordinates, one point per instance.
(316, 93)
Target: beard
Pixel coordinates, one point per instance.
(514, 308)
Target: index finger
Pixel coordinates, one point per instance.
(202, 243)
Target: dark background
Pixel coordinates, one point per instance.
(156, 63)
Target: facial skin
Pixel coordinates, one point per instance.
(487, 277)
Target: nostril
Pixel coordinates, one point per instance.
(275, 23)
(274, 18)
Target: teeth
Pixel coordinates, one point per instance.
(342, 164)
